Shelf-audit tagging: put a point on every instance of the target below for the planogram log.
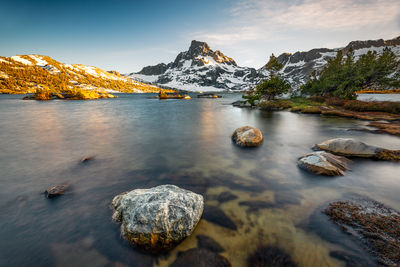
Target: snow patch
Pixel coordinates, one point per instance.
(21, 60)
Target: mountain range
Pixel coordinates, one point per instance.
(202, 69)
(198, 69)
(27, 73)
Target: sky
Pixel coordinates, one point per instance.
(128, 35)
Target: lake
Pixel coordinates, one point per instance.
(140, 142)
(379, 97)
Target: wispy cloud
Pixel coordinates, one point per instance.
(264, 22)
(255, 19)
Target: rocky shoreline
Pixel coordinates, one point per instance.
(381, 122)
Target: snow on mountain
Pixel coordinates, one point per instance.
(298, 67)
(82, 76)
(200, 69)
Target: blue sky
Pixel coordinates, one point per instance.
(128, 35)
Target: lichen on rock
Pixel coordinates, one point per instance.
(323, 163)
(158, 218)
(247, 136)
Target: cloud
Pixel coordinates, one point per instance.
(260, 19)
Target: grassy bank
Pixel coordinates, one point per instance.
(314, 105)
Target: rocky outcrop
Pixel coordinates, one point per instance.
(354, 148)
(247, 136)
(371, 223)
(158, 218)
(154, 70)
(323, 163)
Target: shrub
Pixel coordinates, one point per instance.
(334, 101)
(275, 105)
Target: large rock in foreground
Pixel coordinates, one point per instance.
(247, 136)
(323, 163)
(158, 218)
(354, 148)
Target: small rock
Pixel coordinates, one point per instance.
(207, 242)
(354, 148)
(57, 190)
(197, 257)
(247, 136)
(269, 256)
(225, 197)
(323, 163)
(87, 159)
(158, 218)
(216, 215)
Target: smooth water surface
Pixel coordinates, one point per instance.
(140, 142)
(379, 97)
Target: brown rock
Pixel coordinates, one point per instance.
(247, 136)
(57, 190)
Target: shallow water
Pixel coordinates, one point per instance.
(142, 142)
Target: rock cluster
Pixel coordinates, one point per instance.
(330, 161)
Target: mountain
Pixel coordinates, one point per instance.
(200, 69)
(26, 73)
(298, 67)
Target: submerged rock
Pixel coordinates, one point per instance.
(198, 257)
(372, 223)
(57, 190)
(216, 215)
(354, 148)
(269, 256)
(255, 205)
(349, 259)
(158, 218)
(247, 136)
(225, 197)
(207, 242)
(323, 163)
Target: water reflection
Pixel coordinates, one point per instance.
(140, 142)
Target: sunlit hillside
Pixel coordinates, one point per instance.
(27, 73)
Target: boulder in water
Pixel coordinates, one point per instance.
(158, 218)
(247, 136)
(354, 148)
(323, 163)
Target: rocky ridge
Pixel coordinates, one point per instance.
(28, 73)
(297, 67)
(202, 69)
